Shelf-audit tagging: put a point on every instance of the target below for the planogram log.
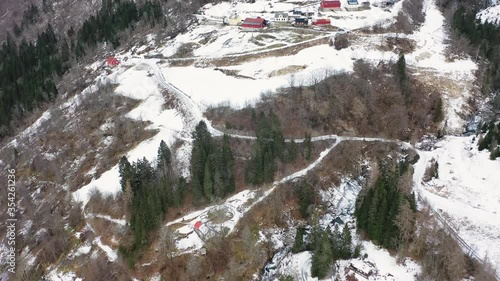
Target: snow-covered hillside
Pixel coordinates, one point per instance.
(467, 193)
(341, 201)
(490, 14)
(175, 81)
(429, 57)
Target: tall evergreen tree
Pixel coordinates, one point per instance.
(298, 244)
(164, 160)
(322, 258)
(227, 167)
(125, 171)
(207, 182)
(346, 243)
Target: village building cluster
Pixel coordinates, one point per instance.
(309, 15)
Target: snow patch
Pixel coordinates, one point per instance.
(466, 193)
(112, 254)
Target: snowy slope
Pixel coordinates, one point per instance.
(137, 84)
(467, 194)
(341, 200)
(430, 56)
(213, 87)
(490, 14)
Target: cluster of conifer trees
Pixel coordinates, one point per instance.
(114, 16)
(28, 70)
(486, 37)
(149, 192)
(271, 147)
(327, 246)
(491, 140)
(212, 166)
(26, 76)
(377, 209)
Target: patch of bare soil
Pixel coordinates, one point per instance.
(287, 70)
(459, 95)
(286, 51)
(398, 45)
(232, 60)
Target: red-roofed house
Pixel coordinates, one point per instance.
(197, 225)
(322, 22)
(330, 5)
(112, 61)
(253, 24)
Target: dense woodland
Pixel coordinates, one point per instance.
(270, 148)
(29, 71)
(327, 246)
(212, 166)
(378, 209)
(485, 40)
(150, 190)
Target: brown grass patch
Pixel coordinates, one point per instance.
(287, 70)
(398, 45)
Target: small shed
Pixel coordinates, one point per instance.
(389, 3)
(197, 225)
(322, 22)
(330, 5)
(295, 13)
(301, 21)
(112, 61)
(203, 251)
(337, 220)
(352, 5)
(361, 268)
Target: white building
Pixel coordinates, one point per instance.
(280, 17)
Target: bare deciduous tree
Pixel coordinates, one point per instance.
(194, 269)
(166, 243)
(405, 221)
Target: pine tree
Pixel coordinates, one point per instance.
(16, 30)
(218, 185)
(164, 160)
(227, 169)
(65, 52)
(305, 193)
(403, 78)
(401, 64)
(125, 171)
(292, 151)
(268, 167)
(346, 243)
(438, 111)
(207, 182)
(298, 244)
(322, 258)
(486, 141)
(336, 242)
